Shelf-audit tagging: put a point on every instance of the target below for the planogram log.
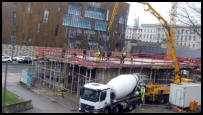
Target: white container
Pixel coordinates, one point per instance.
(181, 95)
(123, 85)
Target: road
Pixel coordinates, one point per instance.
(15, 68)
(40, 104)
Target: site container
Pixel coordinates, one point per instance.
(182, 94)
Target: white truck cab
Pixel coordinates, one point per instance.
(94, 97)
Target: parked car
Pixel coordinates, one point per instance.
(27, 60)
(6, 59)
(15, 57)
(19, 58)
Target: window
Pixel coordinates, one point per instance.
(73, 33)
(177, 37)
(38, 28)
(107, 15)
(181, 37)
(182, 31)
(46, 15)
(56, 32)
(185, 38)
(76, 21)
(28, 7)
(122, 20)
(116, 29)
(190, 38)
(193, 38)
(100, 26)
(30, 39)
(59, 7)
(193, 45)
(94, 4)
(14, 18)
(75, 9)
(103, 96)
(99, 14)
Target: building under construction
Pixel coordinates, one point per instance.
(70, 69)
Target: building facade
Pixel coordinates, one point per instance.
(133, 33)
(185, 36)
(79, 25)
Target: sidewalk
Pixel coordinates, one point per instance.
(69, 101)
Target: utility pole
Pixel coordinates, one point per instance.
(5, 84)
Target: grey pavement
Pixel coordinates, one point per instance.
(40, 104)
(152, 109)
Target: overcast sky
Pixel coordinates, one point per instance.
(145, 17)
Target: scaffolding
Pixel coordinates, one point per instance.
(67, 71)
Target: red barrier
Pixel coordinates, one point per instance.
(58, 52)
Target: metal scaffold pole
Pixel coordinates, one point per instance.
(119, 71)
(50, 75)
(55, 79)
(86, 75)
(103, 77)
(154, 75)
(90, 75)
(44, 73)
(78, 82)
(72, 78)
(59, 75)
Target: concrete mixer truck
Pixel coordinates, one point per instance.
(120, 94)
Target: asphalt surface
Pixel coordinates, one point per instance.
(152, 109)
(15, 68)
(40, 104)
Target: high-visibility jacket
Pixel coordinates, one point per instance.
(98, 53)
(142, 89)
(124, 55)
(143, 93)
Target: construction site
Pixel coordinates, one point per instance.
(81, 66)
(68, 70)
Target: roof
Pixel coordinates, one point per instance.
(159, 50)
(96, 86)
(190, 85)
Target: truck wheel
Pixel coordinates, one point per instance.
(130, 107)
(106, 110)
(166, 98)
(161, 100)
(116, 109)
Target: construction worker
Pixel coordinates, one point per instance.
(103, 55)
(123, 56)
(108, 54)
(98, 53)
(143, 94)
(84, 54)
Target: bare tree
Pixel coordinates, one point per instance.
(189, 13)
